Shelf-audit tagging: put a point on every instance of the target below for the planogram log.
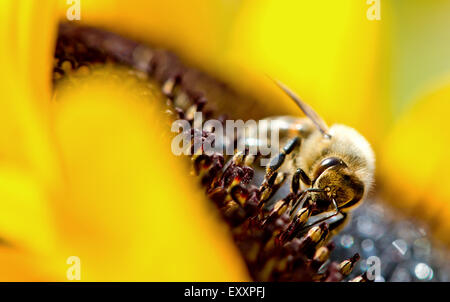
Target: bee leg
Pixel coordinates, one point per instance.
(303, 177)
(295, 183)
(295, 197)
(338, 224)
(274, 179)
(327, 216)
(271, 185)
(276, 162)
(334, 226)
(286, 127)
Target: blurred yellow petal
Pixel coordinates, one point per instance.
(328, 52)
(131, 212)
(25, 220)
(28, 162)
(27, 34)
(19, 266)
(415, 162)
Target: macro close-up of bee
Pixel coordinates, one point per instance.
(334, 166)
(198, 142)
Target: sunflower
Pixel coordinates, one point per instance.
(85, 168)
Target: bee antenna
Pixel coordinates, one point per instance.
(307, 110)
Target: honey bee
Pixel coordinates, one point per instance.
(334, 166)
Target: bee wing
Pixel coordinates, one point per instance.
(309, 112)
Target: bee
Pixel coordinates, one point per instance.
(334, 166)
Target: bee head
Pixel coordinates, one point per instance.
(338, 182)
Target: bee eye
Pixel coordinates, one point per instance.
(327, 163)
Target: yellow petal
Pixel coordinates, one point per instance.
(27, 34)
(415, 162)
(327, 52)
(19, 266)
(25, 219)
(131, 211)
(28, 163)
